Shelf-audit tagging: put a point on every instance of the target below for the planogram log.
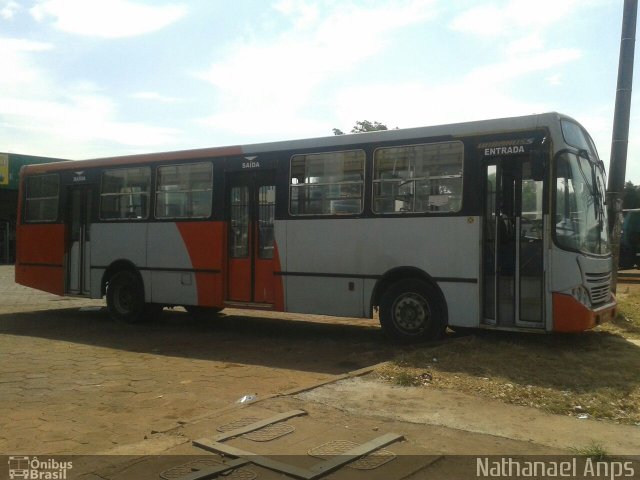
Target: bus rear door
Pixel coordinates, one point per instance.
(79, 204)
(251, 253)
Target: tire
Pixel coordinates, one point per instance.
(411, 311)
(125, 298)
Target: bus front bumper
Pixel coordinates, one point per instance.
(569, 315)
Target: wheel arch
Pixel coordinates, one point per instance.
(119, 266)
(403, 273)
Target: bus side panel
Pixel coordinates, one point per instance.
(119, 241)
(340, 297)
(205, 245)
(172, 277)
(359, 250)
(280, 257)
(463, 303)
(320, 257)
(278, 284)
(40, 262)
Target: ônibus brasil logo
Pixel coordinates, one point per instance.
(35, 469)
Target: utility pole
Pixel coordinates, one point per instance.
(620, 138)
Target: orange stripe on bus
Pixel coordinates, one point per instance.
(205, 245)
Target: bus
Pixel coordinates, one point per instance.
(19, 467)
(497, 224)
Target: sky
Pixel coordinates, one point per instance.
(94, 78)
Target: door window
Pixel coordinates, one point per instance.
(239, 235)
(513, 245)
(266, 214)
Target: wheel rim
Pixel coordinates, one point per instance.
(410, 313)
(124, 298)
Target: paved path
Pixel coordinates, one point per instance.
(16, 298)
(425, 451)
(73, 381)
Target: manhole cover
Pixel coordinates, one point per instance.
(270, 432)
(265, 434)
(339, 447)
(175, 473)
(243, 422)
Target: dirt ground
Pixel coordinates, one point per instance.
(69, 373)
(74, 382)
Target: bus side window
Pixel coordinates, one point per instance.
(328, 183)
(184, 190)
(41, 200)
(125, 194)
(418, 178)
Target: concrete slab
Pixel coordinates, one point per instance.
(473, 414)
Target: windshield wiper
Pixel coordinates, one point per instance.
(598, 195)
(595, 190)
(591, 185)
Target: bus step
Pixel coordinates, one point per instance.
(249, 305)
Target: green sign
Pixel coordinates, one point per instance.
(4, 169)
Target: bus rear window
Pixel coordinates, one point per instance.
(41, 201)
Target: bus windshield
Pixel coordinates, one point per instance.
(580, 216)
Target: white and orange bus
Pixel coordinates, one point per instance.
(496, 224)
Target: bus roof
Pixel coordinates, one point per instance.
(479, 127)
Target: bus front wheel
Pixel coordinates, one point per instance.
(125, 297)
(411, 311)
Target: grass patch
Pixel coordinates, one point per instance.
(627, 323)
(594, 451)
(406, 378)
(594, 374)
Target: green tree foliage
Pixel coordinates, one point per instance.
(529, 196)
(631, 196)
(367, 126)
(363, 126)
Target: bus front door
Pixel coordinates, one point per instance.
(251, 247)
(513, 293)
(78, 248)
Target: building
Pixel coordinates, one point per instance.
(10, 165)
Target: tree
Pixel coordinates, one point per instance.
(363, 126)
(631, 196)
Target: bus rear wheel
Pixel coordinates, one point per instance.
(411, 311)
(125, 298)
